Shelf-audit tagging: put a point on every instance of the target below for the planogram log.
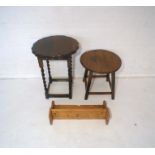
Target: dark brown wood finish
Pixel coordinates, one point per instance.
(101, 62)
(55, 48)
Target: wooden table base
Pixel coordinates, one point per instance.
(87, 78)
(51, 79)
(79, 112)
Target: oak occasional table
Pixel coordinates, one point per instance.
(100, 63)
(56, 47)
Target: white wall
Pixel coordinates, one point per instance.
(128, 31)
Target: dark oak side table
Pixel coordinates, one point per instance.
(103, 63)
(56, 47)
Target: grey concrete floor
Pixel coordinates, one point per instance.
(24, 115)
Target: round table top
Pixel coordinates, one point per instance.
(100, 61)
(55, 46)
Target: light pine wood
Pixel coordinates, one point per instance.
(79, 112)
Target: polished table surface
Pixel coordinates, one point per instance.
(101, 61)
(55, 46)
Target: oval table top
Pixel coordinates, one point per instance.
(100, 61)
(55, 46)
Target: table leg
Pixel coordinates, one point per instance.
(69, 63)
(113, 85)
(49, 71)
(107, 77)
(85, 75)
(88, 85)
(40, 61)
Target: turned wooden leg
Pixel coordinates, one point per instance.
(44, 82)
(49, 71)
(88, 85)
(40, 61)
(85, 75)
(69, 63)
(107, 77)
(113, 85)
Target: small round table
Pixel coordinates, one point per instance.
(102, 62)
(56, 47)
